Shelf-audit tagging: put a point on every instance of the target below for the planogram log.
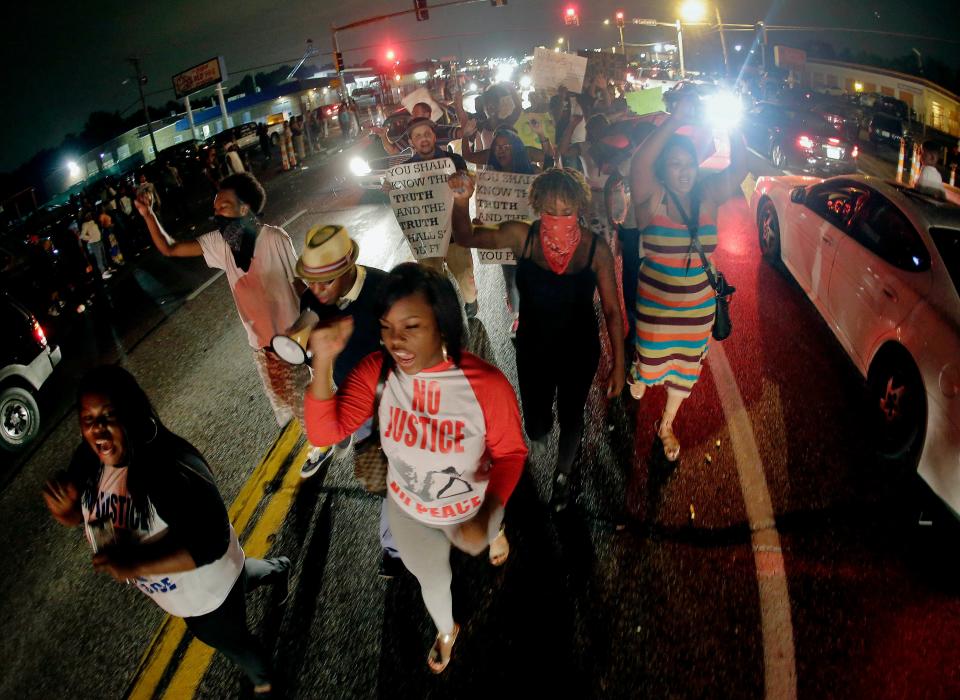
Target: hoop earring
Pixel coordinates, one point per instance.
(156, 431)
(443, 349)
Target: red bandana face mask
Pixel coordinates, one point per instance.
(559, 238)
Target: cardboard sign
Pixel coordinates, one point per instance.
(646, 101)
(502, 197)
(422, 95)
(527, 134)
(422, 201)
(552, 69)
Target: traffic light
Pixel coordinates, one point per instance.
(571, 16)
(619, 17)
(338, 61)
(423, 13)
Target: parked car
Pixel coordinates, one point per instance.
(885, 130)
(881, 263)
(26, 361)
(797, 139)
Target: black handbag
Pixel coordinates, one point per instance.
(722, 290)
(369, 461)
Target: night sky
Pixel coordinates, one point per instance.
(62, 60)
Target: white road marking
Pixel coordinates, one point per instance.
(199, 290)
(756, 153)
(779, 662)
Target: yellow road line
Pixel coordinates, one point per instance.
(198, 655)
(164, 644)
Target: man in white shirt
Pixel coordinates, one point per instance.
(929, 175)
(90, 234)
(259, 261)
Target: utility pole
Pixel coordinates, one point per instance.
(723, 42)
(141, 79)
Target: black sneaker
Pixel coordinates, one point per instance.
(390, 567)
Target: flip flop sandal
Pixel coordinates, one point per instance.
(435, 659)
(499, 549)
(671, 446)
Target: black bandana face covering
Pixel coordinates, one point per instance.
(240, 234)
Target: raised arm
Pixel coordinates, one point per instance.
(726, 183)
(161, 239)
(643, 182)
(510, 234)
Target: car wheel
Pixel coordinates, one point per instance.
(897, 407)
(776, 155)
(19, 418)
(768, 228)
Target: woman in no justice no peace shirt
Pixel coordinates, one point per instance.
(449, 426)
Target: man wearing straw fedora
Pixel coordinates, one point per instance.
(338, 286)
(258, 261)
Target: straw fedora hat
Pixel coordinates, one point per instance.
(328, 253)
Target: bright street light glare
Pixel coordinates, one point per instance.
(359, 167)
(722, 110)
(738, 47)
(73, 168)
(606, 21)
(693, 11)
(560, 40)
(526, 82)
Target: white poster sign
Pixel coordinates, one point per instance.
(422, 201)
(552, 69)
(422, 95)
(502, 197)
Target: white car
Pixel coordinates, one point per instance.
(881, 262)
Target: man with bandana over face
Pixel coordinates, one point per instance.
(259, 261)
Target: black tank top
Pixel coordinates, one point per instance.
(552, 304)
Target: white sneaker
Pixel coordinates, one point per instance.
(317, 458)
(106, 275)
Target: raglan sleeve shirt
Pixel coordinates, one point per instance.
(329, 421)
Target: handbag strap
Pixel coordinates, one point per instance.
(378, 394)
(693, 224)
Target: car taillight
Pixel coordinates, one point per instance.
(39, 335)
(855, 151)
(805, 142)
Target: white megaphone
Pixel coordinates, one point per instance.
(292, 346)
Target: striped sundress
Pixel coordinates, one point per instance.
(675, 303)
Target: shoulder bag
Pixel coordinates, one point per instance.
(722, 326)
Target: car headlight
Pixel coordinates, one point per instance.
(359, 167)
(722, 110)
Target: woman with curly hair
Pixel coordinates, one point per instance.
(560, 264)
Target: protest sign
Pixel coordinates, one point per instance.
(552, 69)
(422, 201)
(502, 197)
(422, 95)
(527, 134)
(646, 101)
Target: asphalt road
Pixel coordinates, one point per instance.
(776, 560)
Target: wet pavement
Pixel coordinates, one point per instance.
(652, 584)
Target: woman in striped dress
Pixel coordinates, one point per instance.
(675, 303)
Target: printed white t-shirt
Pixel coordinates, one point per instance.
(184, 594)
(264, 294)
(451, 434)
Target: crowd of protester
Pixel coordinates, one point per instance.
(395, 354)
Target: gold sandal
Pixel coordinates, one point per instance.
(499, 549)
(435, 659)
(671, 446)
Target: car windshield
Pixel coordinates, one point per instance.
(947, 241)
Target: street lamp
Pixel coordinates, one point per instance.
(693, 11)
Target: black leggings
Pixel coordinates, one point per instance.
(567, 371)
(225, 629)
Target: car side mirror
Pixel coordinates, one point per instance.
(798, 195)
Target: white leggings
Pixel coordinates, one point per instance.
(425, 550)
